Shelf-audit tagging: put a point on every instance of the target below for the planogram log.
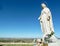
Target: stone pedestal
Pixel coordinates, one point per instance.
(54, 44)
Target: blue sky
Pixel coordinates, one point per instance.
(19, 18)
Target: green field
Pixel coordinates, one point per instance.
(16, 45)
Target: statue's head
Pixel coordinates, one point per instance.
(43, 5)
(39, 42)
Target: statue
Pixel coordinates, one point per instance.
(47, 24)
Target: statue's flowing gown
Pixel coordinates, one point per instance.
(46, 23)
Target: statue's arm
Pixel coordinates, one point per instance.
(48, 18)
(40, 16)
(47, 12)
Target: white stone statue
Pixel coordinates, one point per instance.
(46, 24)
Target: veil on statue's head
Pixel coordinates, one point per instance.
(44, 3)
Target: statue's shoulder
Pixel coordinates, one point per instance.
(46, 10)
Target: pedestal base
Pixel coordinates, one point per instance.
(57, 43)
(53, 44)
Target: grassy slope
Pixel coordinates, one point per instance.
(17, 45)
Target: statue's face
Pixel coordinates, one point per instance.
(43, 5)
(39, 42)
